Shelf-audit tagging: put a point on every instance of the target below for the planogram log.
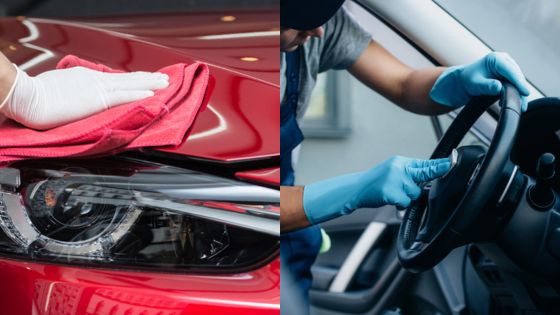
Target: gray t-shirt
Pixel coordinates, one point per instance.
(341, 45)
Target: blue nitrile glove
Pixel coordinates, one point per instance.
(456, 85)
(393, 182)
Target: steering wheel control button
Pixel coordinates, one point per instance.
(454, 158)
(541, 195)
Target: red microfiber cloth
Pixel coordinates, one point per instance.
(161, 120)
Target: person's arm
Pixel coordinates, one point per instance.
(394, 182)
(292, 215)
(381, 71)
(7, 76)
(433, 91)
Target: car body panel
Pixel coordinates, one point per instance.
(241, 118)
(42, 289)
(269, 176)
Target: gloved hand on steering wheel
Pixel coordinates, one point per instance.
(456, 85)
(393, 182)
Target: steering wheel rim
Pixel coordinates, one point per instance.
(417, 255)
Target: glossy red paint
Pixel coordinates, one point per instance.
(241, 120)
(39, 289)
(269, 176)
(204, 36)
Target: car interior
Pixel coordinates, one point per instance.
(484, 239)
(506, 261)
(73, 237)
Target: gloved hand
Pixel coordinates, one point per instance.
(393, 182)
(58, 97)
(456, 85)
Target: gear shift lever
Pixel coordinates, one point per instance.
(540, 195)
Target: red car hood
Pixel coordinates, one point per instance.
(241, 121)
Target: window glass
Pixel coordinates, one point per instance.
(326, 116)
(317, 109)
(527, 30)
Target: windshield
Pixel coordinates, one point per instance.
(527, 30)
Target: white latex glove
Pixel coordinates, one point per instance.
(58, 97)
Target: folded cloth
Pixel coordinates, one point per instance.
(161, 120)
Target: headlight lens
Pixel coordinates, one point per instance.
(136, 214)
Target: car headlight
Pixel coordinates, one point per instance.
(135, 214)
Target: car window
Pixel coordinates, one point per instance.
(527, 30)
(327, 116)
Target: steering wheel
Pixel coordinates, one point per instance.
(460, 207)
